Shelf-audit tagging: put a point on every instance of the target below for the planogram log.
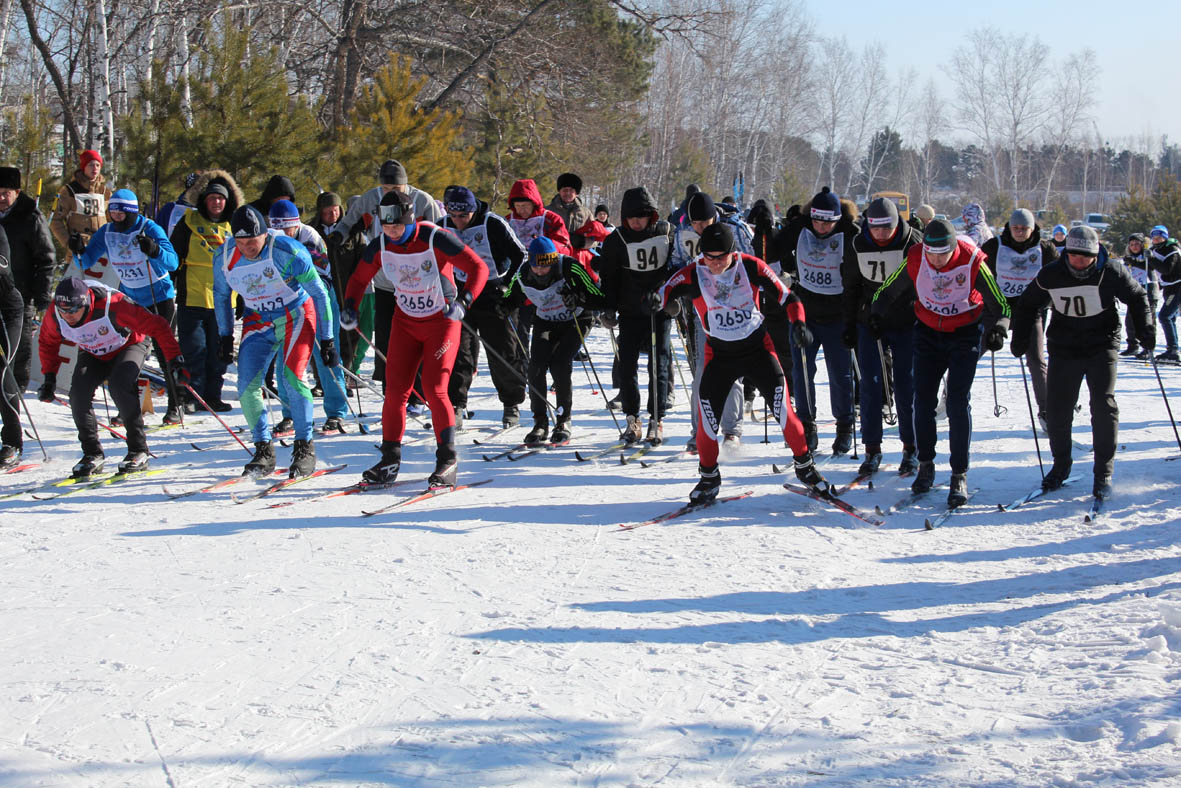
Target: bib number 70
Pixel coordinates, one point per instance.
(1074, 305)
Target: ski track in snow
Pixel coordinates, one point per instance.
(511, 635)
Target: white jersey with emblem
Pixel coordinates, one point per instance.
(819, 262)
(416, 279)
(731, 312)
(946, 292)
(1016, 270)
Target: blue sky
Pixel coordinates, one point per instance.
(1137, 45)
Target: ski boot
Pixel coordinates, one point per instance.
(844, 440)
(285, 427)
(537, 435)
(173, 415)
(332, 424)
(958, 495)
(1170, 356)
(89, 465)
(1133, 349)
(655, 432)
(10, 456)
(303, 459)
(633, 431)
(386, 469)
(910, 461)
(263, 461)
(809, 474)
(1102, 488)
(707, 488)
(446, 467)
(561, 433)
(925, 479)
(1056, 477)
(460, 412)
(134, 462)
(511, 417)
(872, 461)
(810, 434)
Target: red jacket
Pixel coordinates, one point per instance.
(134, 322)
(554, 226)
(449, 251)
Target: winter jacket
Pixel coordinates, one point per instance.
(494, 242)
(686, 241)
(540, 222)
(1165, 259)
(1020, 263)
(363, 213)
(632, 264)
(574, 214)
(975, 224)
(279, 187)
(145, 280)
(818, 280)
(198, 236)
(1085, 319)
(12, 303)
(134, 323)
(31, 255)
(561, 294)
(81, 208)
(945, 299)
(863, 272)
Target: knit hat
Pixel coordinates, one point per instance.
(1058, 228)
(392, 172)
(1137, 237)
(324, 199)
(71, 293)
(571, 180)
(395, 208)
(215, 188)
(542, 251)
(124, 200)
(191, 179)
(1021, 217)
(925, 213)
(826, 206)
(602, 208)
(939, 237)
(283, 214)
(1160, 231)
(691, 189)
(881, 213)
(1083, 240)
(700, 208)
(717, 238)
(459, 199)
(88, 156)
(10, 178)
(247, 222)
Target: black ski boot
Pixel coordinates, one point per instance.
(173, 415)
(332, 425)
(809, 474)
(707, 488)
(811, 435)
(1102, 488)
(537, 435)
(284, 427)
(925, 479)
(561, 433)
(1133, 349)
(1056, 477)
(263, 461)
(303, 459)
(872, 461)
(844, 440)
(446, 466)
(89, 465)
(460, 412)
(958, 495)
(386, 470)
(910, 461)
(134, 462)
(511, 417)
(10, 456)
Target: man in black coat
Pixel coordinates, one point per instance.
(31, 258)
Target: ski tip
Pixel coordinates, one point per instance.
(927, 524)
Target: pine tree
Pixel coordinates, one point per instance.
(1138, 212)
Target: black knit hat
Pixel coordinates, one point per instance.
(571, 180)
(717, 238)
(392, 172)
(10, 178)
(700, 208)
(602, 208)
(939, 236)
(882, 213)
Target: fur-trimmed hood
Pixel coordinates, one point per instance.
(192, 195)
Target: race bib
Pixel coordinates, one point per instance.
(648, 255)
(130, 263)
(819, 262)
(1080, 301)
(879, 264)
(90, 205)
(731, 311)
(416, 281)
(1016, 270)
(946, 292)
(260, 283)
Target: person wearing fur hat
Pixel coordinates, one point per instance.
(1136, 261)
(731, 292)
(196, 238)
(30, 259)
(1082, 288)
(81, 206)
(419, 257)
(633, 262)
(490, 237)
(287, 312)
(110, 332)
(812, 247)
(567, 204)
(143, 257)
(951, 289)
(344, 252)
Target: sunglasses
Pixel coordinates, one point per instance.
(718, 257)
(70, 310)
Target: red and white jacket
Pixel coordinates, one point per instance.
(112, 324)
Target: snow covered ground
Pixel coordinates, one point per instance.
(513, 635)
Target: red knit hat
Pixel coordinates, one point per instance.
(88, 156)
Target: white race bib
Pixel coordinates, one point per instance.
(944, 292)
(819, 262)
(416, 280)
(548, 302)
(1015, 270)
(259, 282)
(731, 313)
(528, 229)
(89, 204)
(1080, 301)
(130, 263)
(648, 255)
(97, 337)
(690, 242)
(880, 263)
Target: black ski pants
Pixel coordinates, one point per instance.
(552, 350)
(505, 367)
(122, 376)
(1063, 382)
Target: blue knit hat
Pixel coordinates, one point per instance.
(826, 206)
(542, 251)
(284, 214)
(1059, 228)
(1160, 231)
(124, 200)
(459, 199)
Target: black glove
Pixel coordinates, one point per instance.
(48, 390)
(148, 245)
(328, 353)
(876, 329)
(1147, 338)
(849, 335)
(996, 338)
(180, 374)
(650, 303)
(225, 353)
(608, 320)
(1018, 349)
(335, 237)
(76, 243)
(570, 297)
(801, 335)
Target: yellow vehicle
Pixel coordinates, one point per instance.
(899, 199)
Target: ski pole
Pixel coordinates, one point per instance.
(373, 388)
(106, 427)
(220, 421)
(16, 387)
(806, 394)
(857, 381)
(1032, 423)
(653, 365)
(887, 385)
(341, 387)
(582, 339)
(1160, 383)
(997, 408)
(515, 371)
